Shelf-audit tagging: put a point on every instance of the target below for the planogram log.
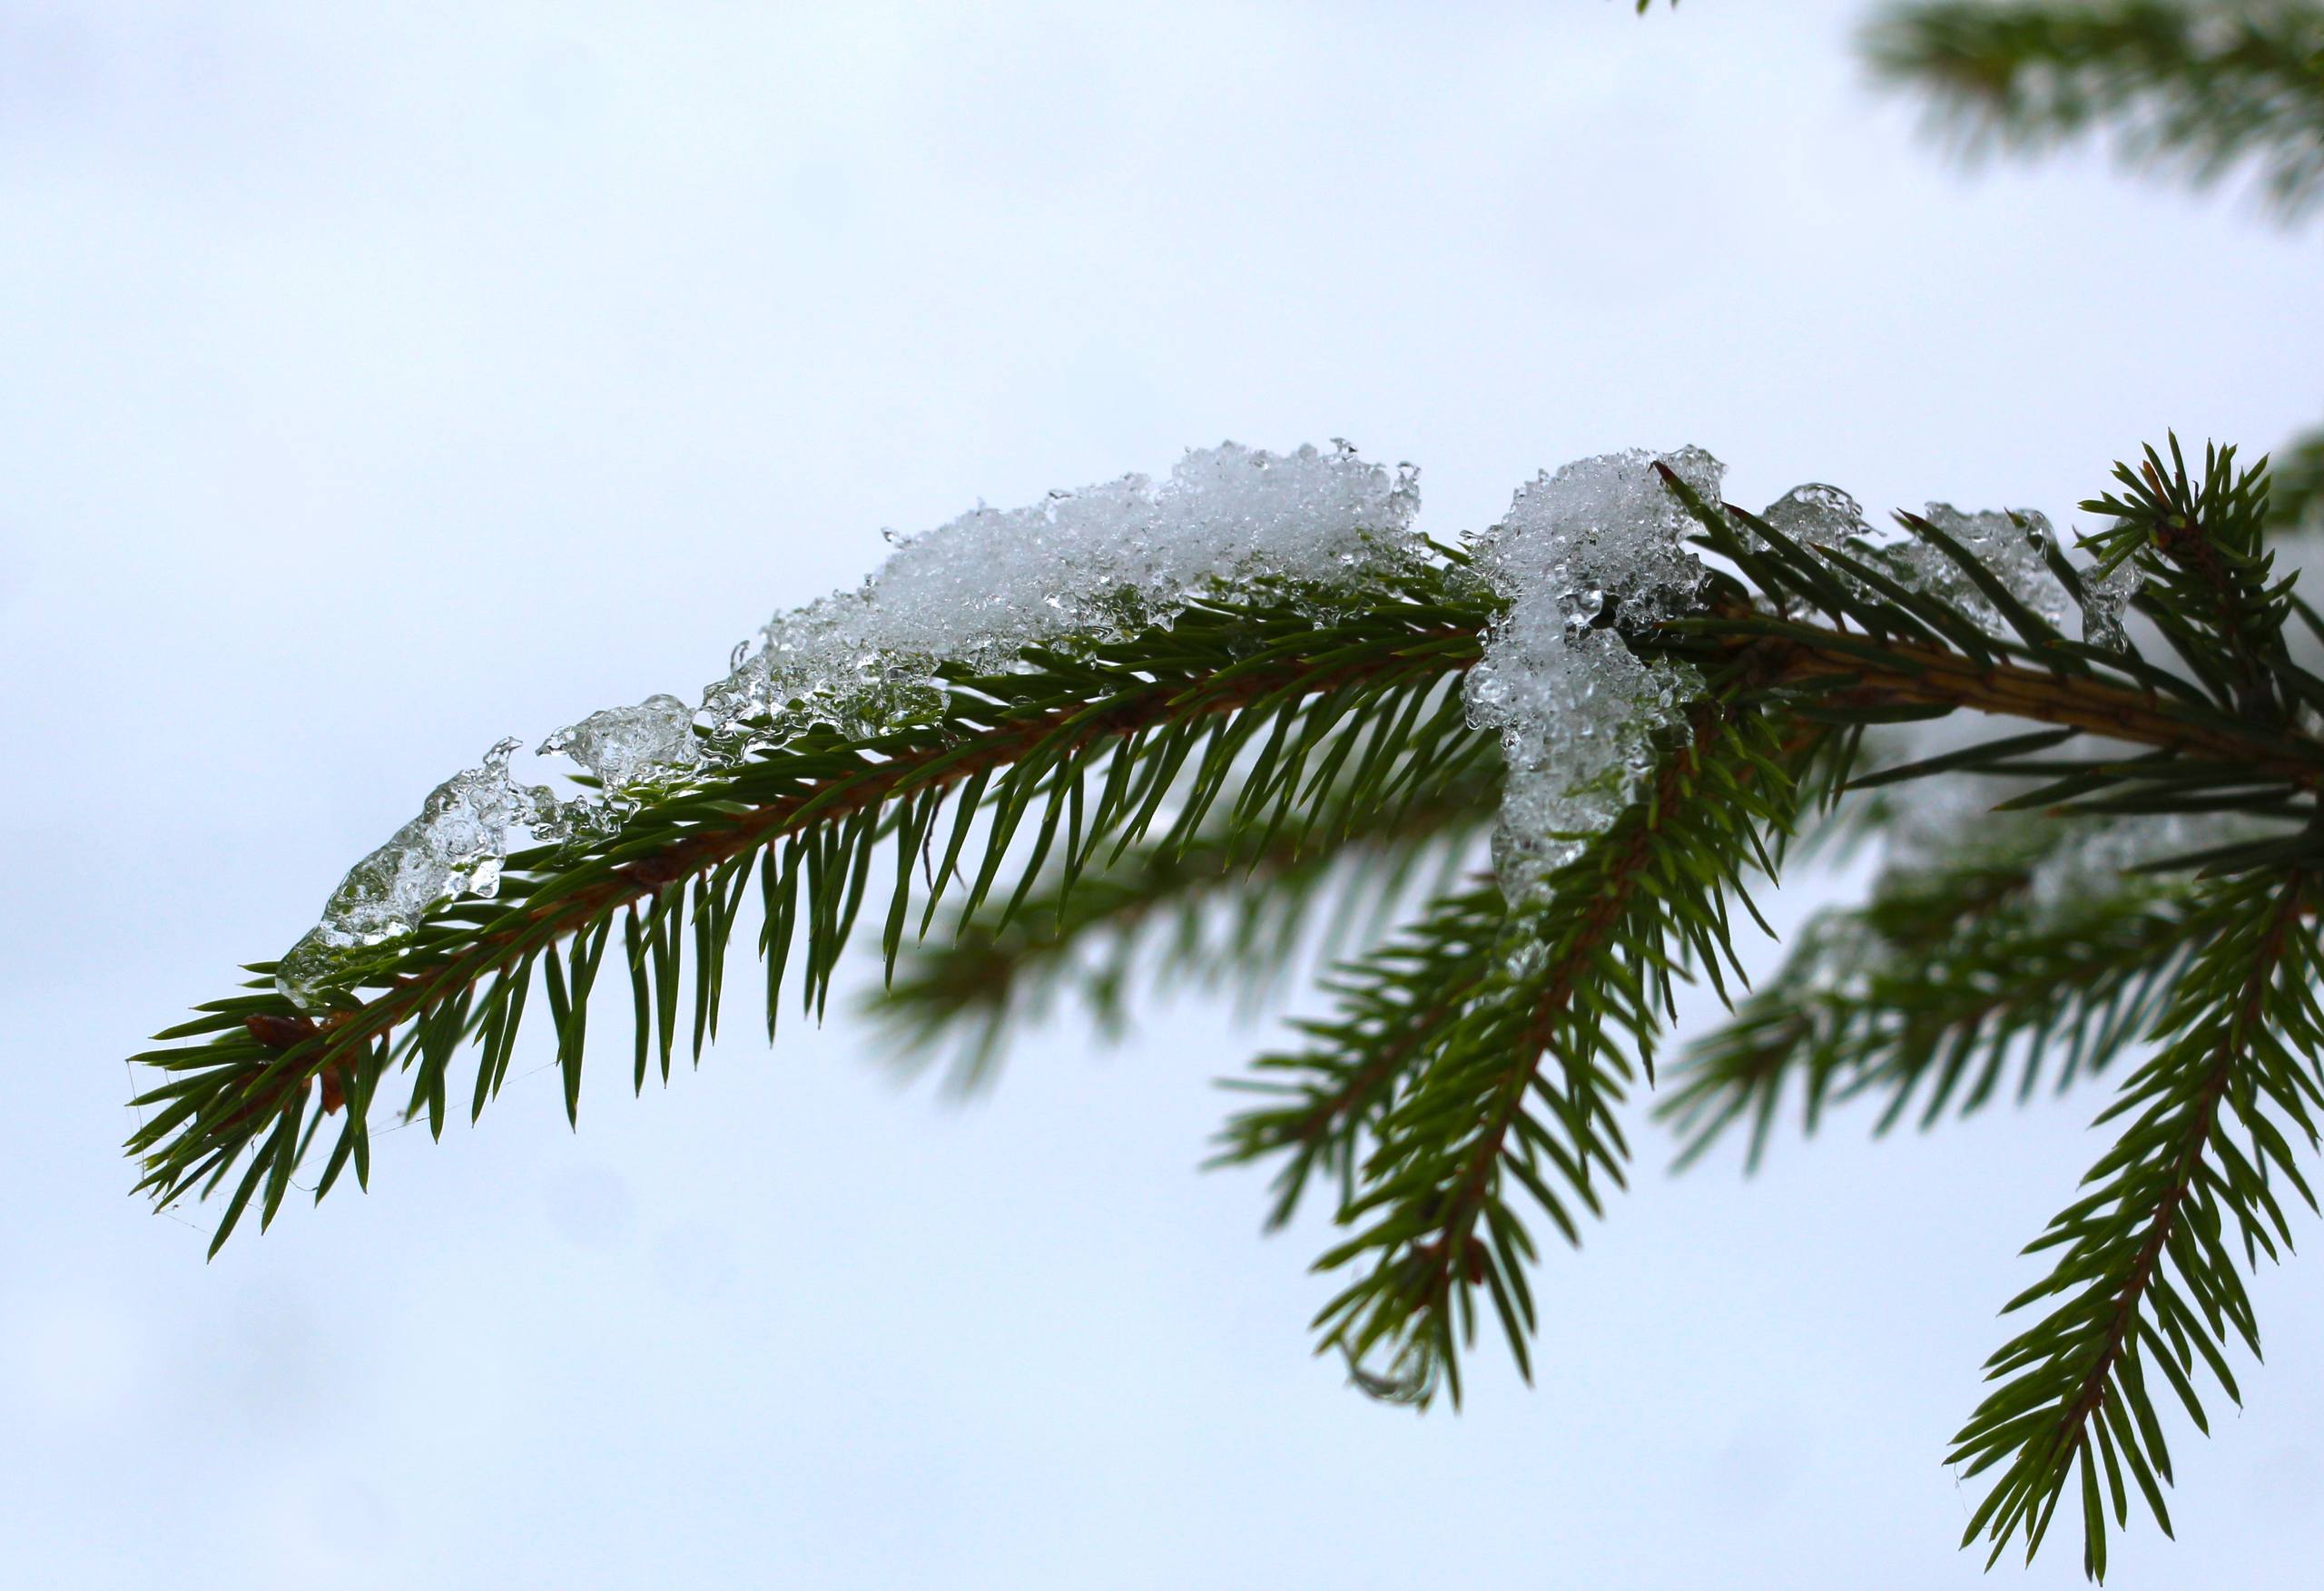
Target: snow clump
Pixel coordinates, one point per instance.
(1599, 543)
(1076, 568)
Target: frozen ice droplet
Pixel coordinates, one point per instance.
(623, 746)
(2009, 544)
(1813, 515)
(454, 846)
(2104, 599)
(1816, 514)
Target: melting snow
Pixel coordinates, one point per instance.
(2103, 598)
(455, 847)
(2009, 544)
(1075, 568)
(1092, 565)
(621, 746)
(1602, 541)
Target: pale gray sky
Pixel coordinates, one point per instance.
(376, 381)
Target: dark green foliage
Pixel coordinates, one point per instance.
(1393, 1007)
(2211, 584)
(2204, 87)
(2145, 1292)
(1482, 1059)
(1949, 977)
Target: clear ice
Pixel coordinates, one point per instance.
(1820, 515)
(1815, 515)
(1075, 568)
(623, 746)
(1600, 542)
(455, 847)
(2011, 546)
(2103, 598)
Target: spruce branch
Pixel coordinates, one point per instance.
(2200, 545)
(1473, 1078)
(2145, 1278)
(1181, 714)
(1249, 697)
(1396, 1002)
(1512, 1052)
(2202, 88)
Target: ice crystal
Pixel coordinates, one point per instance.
(622, 746)
(1602, 527)
(1576, 718)
(2010, 544)
(2103, 598)
(454, 847)
(1817, 515)
(1814, 515)
(1597, 545)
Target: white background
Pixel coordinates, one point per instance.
(376, 381)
